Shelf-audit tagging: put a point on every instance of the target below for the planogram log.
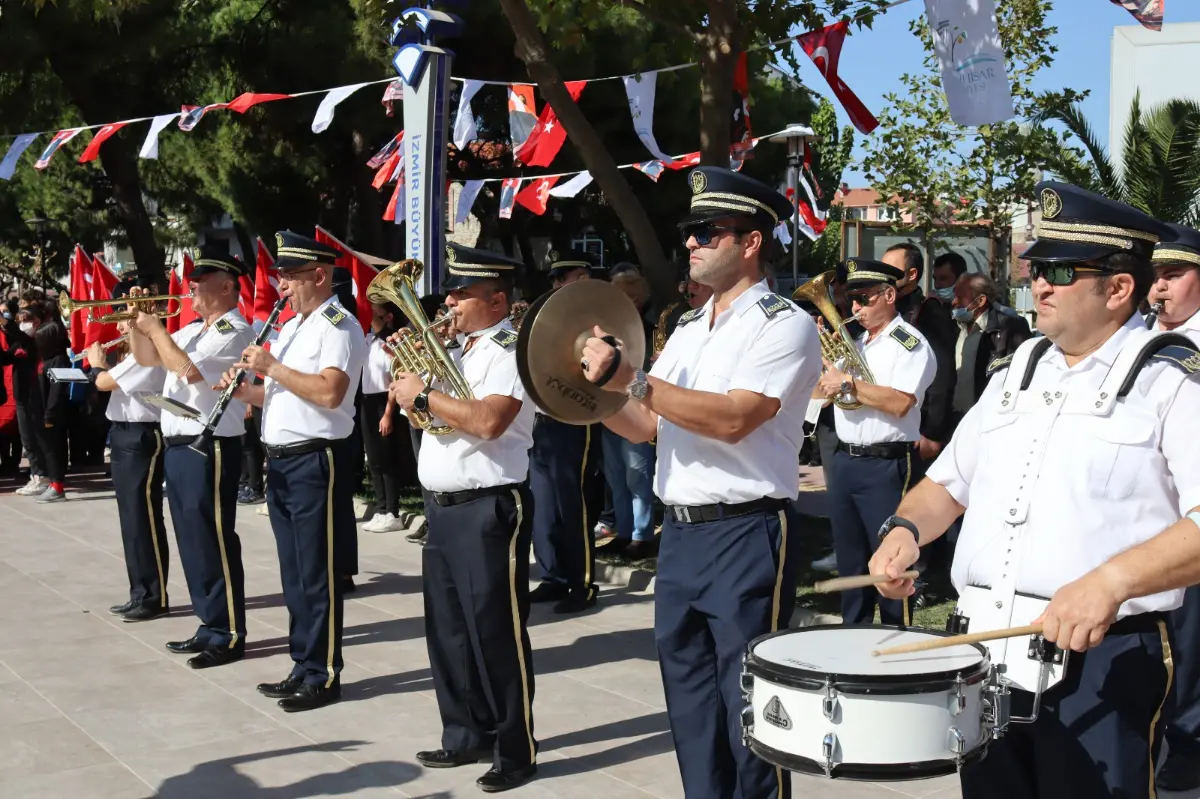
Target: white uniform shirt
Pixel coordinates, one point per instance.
(377, 368)
(908, 368)
(213, 350)
(133, 380)
(328, 338)
(458, 462)
(762, 343)
(1190, 328)
(1053, 490)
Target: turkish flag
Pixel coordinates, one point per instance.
(683, 161)
(247, 100)
(103, 283)
(548, 134)
(361, 275)
(537, 194)
(824, 47)
(80, 281)
(186, 314)
(174, 286)
(266, 288)
(102, 135)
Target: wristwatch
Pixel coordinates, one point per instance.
(421, 401)
(896, 521)
(639, 387)
(847, 386)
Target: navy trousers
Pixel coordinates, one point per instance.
(868, 491)
(562, 525)
(137, 475)
(1183, 723)
(720, 585)
(475, 566)
(202, 493)
(310, 498)
(1098, 732)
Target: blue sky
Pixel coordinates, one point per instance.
(872, 60)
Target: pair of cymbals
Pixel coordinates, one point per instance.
(550, 348)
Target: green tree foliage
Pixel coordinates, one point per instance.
(942, 172)
(1159, 168)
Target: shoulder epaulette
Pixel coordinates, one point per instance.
(333, 315)
(997, 364)
(505, 338)
(906, 339)
(772, 305)
(690, 316)
(223, 326)
(1185, 358)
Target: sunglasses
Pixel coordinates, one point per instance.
(862, 299)
(1060, 274)
(705, 232)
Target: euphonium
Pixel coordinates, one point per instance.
(418, 350)
(837, 346)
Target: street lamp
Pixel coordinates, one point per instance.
(796, 136)
(39, 226)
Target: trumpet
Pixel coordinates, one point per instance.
(418, 350)
(837, 346)
(68, 306)
(106, 346)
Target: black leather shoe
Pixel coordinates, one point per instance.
(279, 690)
(577, 601)
(452, 758)
(348, 586)
(216, 656)
(549, 592)
(1179, 773)
(118, 610)
(419, 535)
(145, 612)
(497, 780)
(189, 647)
(311, 697)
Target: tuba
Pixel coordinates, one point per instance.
(417, 349)
(837, 346)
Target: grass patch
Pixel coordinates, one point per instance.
(814, 541)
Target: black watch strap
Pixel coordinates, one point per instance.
(898, 521)
(421, 401)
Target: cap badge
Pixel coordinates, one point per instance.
(699, 181)
(851, 266)
(1051, 204)
(553, 256)
(278, 239)
(196, 254)
(451, 256)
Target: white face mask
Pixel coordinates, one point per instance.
(27, 328)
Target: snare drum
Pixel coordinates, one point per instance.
(820, 703)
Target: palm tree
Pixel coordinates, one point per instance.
(1159, 172)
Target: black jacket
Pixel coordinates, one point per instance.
(932, 318)
(1004, 332)
(21, 353)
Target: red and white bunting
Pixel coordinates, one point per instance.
(537, 194)
(102, 135)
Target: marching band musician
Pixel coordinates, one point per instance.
(726, 399)
(307, 399)
(876, 453)
(1074, 469)
(202, 487)
(562, 454)
(1177, 287)
(475, 562)
(137, 473)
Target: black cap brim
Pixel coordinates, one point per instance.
(1053, 251)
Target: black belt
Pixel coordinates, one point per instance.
(892, 449)
(136, 425)
(299, 448)
(1141, 623)
(697, 514)
(183, 441)
(448, 498)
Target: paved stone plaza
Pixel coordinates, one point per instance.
(92, 708)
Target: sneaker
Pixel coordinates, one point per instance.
(825, 564)
(382, 523)
(51, 494)
(603, 530)
(35, 487)
(418, 536)
(248, 496)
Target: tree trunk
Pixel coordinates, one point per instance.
(532, 49)
(718, 57)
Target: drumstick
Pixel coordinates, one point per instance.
(861, 581)
(956, 640)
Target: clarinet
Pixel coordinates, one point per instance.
(214, 418)
(1152, 317)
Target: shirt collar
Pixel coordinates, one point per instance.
(1193, 323)
(888, 328)
(464, 337)
(1107, 353)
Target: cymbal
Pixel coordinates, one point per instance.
(550, 346)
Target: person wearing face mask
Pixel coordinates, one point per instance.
(988, 332)
(947, 269)
(202, 487)
(44, 402)
(1177, 288)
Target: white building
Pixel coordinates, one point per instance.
(1162, 65)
